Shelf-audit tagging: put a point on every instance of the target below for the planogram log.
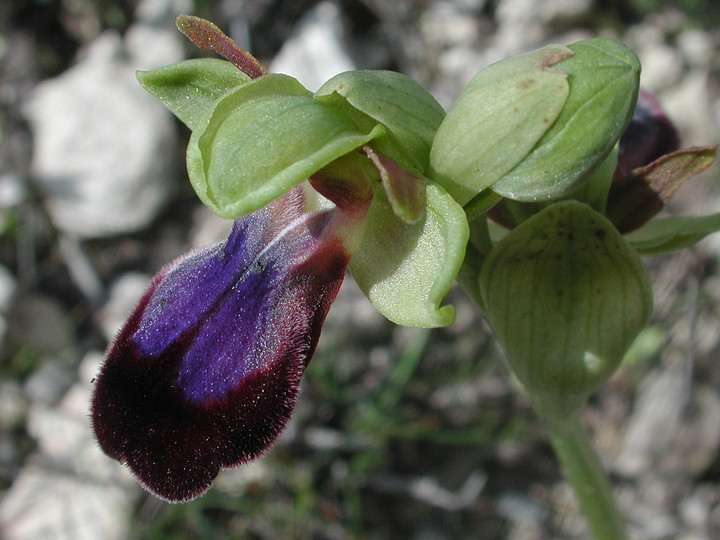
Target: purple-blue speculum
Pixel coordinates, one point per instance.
(363, 174)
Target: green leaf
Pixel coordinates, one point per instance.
(264, 138)
(396, 101)
(670, 234)
(604, 81)
(497, 120)
(191, 88)
(565, 295)
(407, 269)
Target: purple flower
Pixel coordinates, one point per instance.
(649, 136)
(205, 372)
(650, 168)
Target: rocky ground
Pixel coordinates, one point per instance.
(399, 433)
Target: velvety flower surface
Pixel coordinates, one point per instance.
(205, 372)
(650, 168)
(649, 135)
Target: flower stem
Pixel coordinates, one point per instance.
(586, 475)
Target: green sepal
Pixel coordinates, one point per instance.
(410, 114)
(565, 295)
(406, 269)
(264, 138)
(604, 81)
(499, 117)
(481, 204)
(191, 88)
(479, 246)
(665, 235)
(596, 190)
(209, 37)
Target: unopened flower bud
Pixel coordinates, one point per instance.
(533, 127)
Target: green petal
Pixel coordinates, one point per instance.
(264, 138)
(405, 191)
(604, 78)
(191, 88)
(209, 37)
(407, 269)
(666, 235)
(635, 199)
(497, 120)
(409, 112)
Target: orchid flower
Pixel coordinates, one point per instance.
(557, 147)
(205, 372)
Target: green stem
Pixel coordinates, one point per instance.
(587, 476)
(561, 416)
(478, 248)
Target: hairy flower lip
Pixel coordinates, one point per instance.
(649, 136)
(205, 372)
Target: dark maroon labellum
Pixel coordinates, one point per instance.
(205, 372)
(650, 135)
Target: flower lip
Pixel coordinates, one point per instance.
(205, 372)
(649, 136)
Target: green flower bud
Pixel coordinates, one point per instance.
(535, 126)
(565, 295)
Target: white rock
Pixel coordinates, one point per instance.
(105, 150)
(65, 439)
(68, 488)
(152, 11)
(12, 404)
(43, 323)
(234, 482)
(151, 48)
(689, 106)
(48, 383)
(446, 24)
(8, 285)
(661, 66)
(316, 51)
(81, 270)
(89, 367)
(124, 295)
(697, 47)
(12, 190)
(557, 11)
(654, 421)
(543, 12)
(47, 503)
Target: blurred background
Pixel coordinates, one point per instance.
(399, 433)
